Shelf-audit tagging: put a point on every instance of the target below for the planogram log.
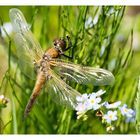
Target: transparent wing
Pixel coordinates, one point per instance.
(21, 28)
(82, 75)
(61, 92)
(25, 61)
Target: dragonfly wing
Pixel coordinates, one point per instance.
(81, 74)
(18, 20)
(25, 61)
(61, 92)
(20, 26)
(28, 48)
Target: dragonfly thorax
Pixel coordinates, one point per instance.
(44, 65)
(46, 56)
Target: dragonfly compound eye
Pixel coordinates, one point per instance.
(60, 44)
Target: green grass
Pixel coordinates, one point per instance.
(118, 56)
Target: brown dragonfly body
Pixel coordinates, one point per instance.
(43, 72)
(50, 68)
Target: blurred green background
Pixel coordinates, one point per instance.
(112, 43)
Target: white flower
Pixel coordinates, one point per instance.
(113, 105)
(89, 23)
(111, 11)
(95, 20)
(93, 102)
(126, 111)
(8, 27)
(132, 118)
(82, 98)
(110, 116)
(81, 107)
(86, 102)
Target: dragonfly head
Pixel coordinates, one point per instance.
(62, 44)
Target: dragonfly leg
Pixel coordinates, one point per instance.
(69, 46)
(69, 43)
(70, 57)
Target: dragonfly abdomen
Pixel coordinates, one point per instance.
(41, 78)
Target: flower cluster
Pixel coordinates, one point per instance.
(110, 111)
(88, 102)
(90, 22)
(3, 101)
(128, 113)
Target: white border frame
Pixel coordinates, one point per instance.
(70, 2)
(69, 137)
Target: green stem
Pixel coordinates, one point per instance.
(15, 131)
(138, 109)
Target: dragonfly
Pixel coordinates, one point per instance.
(50, 68)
